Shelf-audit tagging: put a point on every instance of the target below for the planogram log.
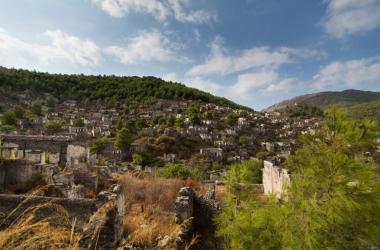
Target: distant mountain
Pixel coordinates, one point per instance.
(323, 99)
(105, 89)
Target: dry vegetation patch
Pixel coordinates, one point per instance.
(150, 213)
(45, 226)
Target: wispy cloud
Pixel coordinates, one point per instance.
(360, 73)
(221, 61)
(148, 46)
(159, 9)
(247, 87)
(62, 48)
(348, 17)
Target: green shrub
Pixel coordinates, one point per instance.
(99, 145)
(181, 171)
(142, 159)
(175, 171)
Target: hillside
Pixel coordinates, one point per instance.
(370, 110)
(104, 89)
(323, 99)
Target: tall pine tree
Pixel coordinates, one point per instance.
(333, 201)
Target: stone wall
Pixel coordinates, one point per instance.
(14, 172)
(195, 216)
(16, 146)
(184, 208)
(77, 156)
(87, 179)
(275, 178)
(81, 209)
(98, 221)
(105, 227)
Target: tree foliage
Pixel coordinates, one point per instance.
(123, 139)
(99, 145)
(333, 201)
(53, 127)
(176, 170)
(231, 119)
(110, 90)
(78, 122)
(141, 159)
(35, 108)
(9, 119)
(248, 172)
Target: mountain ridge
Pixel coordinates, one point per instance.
(327, 98)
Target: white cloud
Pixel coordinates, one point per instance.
(159, 9)
(62, 49)
(191, 16)
(248, 87)
(252, 82)
(361, 73)
(261, 83)
(148, 46)
(221, 61)
(347, 17)
(73, 49)
(197, 36)
(171, 77)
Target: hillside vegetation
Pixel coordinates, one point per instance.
(105, 89)
(370, 110)
(325, 99)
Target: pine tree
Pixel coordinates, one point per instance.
(123, 139)
(333, 201)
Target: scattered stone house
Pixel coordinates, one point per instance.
(242, 121)
(214, 153)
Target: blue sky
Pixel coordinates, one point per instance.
(254, 52)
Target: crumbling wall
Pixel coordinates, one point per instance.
(99, 221)
(184, 204)
(184, 209)
(87, 179)
(105, 227)
(275, 178)
(77, 156)
(15, 146)
(195, 214)
(14, 172)
(2, 178)
(79, 209)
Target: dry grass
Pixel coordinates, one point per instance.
(43, 226)
(150, 213)
(34, 230)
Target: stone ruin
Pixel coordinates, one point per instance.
(275, 179)
(194, 214)
(69, 174)
(98, 221)
(56, 160)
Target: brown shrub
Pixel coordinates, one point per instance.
(150, 210)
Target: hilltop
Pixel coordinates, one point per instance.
(328, 98)
(101, 89)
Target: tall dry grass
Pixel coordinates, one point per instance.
(150, 213)
(43, 226)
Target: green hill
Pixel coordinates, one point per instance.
(370, 110)
(324, 99)
(106, 89)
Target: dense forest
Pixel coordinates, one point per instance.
(101, 88)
